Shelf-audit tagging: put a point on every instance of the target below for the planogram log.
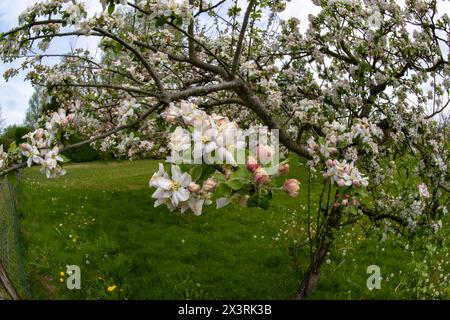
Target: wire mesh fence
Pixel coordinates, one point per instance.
(13, 280)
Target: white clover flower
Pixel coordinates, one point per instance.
(423, 190)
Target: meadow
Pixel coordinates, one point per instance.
(100, 216)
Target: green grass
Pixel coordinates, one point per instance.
(100, 216)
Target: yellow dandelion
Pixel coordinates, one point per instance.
(112, 288)
(62, 273)
(61, 280)
(60, 224)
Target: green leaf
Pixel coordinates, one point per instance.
(223, 191)
(65, 159)
(352, 210)
(184, 167)
(236, 183)
(160, 21)
(111, 8)
(240, 173)
(218, 176)
(196, 172)
(362, 192)
(13, 145)
(207, 172)
(234, 11)
(178, 21)
(258, 202)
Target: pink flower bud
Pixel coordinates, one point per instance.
(251, 164)
(355, 202)
(171, 118)
(26, 147)
(356, 183)
(313, 145)
(292, 186)
(341, 182)
(209, 185)
(330, 163)
(39, 134)
(283, 169)
(260, 176)
(345, 202)
(64, 122)
(194, 188)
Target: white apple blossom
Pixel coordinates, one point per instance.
(204, 139)
(174, 188)
(179, 143)
(127, 110)
(345, 174)
(31, 153)
(50, 165)
(173, 191)
(59, 118)
(40, 138)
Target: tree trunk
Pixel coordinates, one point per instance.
(311, 278)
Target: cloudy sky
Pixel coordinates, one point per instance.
(14, 95)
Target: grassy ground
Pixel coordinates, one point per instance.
(100, 216)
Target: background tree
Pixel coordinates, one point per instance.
(13, 134)
(2, 121)
(35, 106)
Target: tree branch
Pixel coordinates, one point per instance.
(138, 55)
(91, 140)
(237, 54)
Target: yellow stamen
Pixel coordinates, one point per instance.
(175, 186)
